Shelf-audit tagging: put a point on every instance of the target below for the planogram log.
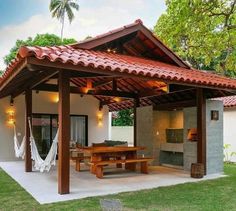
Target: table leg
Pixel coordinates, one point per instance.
(118, 165)
(94, 158)
(131, 166)
(77, 164)
(99, 172)
(144, 167)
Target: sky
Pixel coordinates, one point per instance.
(20, 19)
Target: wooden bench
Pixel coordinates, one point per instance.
(78, 161)
(100, 164)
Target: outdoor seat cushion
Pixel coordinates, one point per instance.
(110, 143)
(116, 143)
(102, 144)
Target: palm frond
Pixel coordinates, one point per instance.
(69, 13)
(60, 8)
(74, 5)
(54, 4)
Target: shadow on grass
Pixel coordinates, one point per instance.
(218, 194)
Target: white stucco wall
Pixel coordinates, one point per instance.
(230, 129)
(43, 102)
(125, 133)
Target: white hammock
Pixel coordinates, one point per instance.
(39, 163)
(19, 148)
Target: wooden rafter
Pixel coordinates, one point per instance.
(175, 105)
(111, 73)
(114, 84)
(82, 90)
(102, 82)
(34, 81)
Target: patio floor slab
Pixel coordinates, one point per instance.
(43, 186)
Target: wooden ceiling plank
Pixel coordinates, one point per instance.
(34, 81)
(115, 74)
(102, 82)
(79, 90)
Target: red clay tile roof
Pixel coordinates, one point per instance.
(140, 27)
(121, 64)
(137, 22)
(229, 101)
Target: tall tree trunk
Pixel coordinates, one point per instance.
(62, 27)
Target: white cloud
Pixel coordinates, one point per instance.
(90, 20)
(36, 24)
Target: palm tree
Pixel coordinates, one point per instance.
(60, 8)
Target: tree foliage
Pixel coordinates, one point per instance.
(123, 118)
(202, 32)
(60, 8)
(39, 40)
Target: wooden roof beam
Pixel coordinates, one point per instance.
(175, 105)
(103, 82)
(86, 91)
(79, 68)
(36, 80)
(73, 73)
(114, 84)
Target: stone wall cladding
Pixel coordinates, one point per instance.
(149, 122)
(214, 131)
(145, 131)
(190, 148)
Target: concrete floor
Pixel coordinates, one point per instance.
(43, 186)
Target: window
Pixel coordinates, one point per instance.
(79, 130)
(45, 128)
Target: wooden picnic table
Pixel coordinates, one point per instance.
(108, 153)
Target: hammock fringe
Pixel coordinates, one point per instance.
(39, 164)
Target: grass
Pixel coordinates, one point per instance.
(218, 194)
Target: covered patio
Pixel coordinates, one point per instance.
(43, 187)
(125, 68)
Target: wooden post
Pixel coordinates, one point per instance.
(114, 84)
(64, 133)
(201, 128)
(136, 104)
(28, 114)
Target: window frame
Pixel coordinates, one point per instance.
(71, 115)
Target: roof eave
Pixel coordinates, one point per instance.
(126, 30)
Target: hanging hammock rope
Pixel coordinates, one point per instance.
(19, 148)
(39, 163)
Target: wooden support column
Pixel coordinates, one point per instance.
(114, 84)
(136, 104)
(64, 133)
(28, 114)
(201, 127)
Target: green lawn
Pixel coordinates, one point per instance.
(219, 194)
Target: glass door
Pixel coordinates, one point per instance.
(54, 126)
(45, 128)
(42, 133)
(79, 130)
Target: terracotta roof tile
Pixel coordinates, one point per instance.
(229, 101)
(137, 22)
(121, 63)
(141, 28)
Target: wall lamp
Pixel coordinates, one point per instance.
(10, 117)
(214, 115)
(100, 118)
